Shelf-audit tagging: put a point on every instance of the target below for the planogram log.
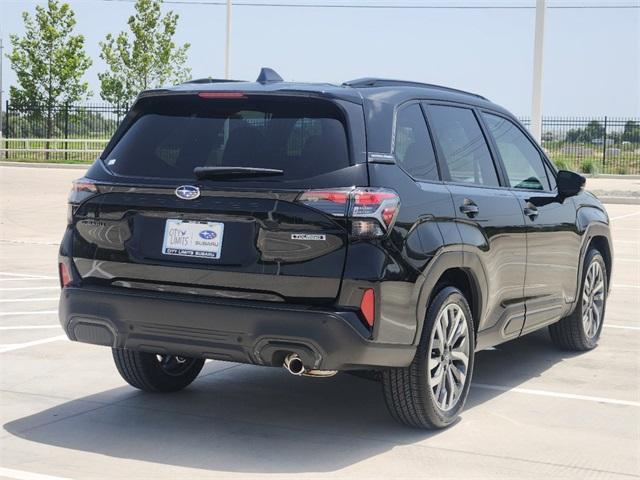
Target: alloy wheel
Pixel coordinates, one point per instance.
(593, 300)
(448, 356)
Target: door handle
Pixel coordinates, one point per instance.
(469, 208)
(530, 211)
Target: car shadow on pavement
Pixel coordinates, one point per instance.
(241, 418)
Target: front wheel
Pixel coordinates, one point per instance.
(431, 392)
(581, 330)
(155, 372)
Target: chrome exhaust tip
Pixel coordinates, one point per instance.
(293, 364)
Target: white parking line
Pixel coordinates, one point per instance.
(621, 285)
(625, 216)
(546, 393)
(22, 475)
(17, 289)
(41, 299)
(27, 279)
(624, 327)
(10, 347)
(26, 275)
(29, 327)
(35, 312)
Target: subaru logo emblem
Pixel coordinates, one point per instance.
(187, 192)
(208, 234)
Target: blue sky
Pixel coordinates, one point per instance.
(592, 56)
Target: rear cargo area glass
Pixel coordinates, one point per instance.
(169, 136)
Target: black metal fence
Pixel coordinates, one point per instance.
(77, 133)
(63, 133)
(592, 145)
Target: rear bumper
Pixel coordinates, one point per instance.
(233, 331)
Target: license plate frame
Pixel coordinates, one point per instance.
(193, 239)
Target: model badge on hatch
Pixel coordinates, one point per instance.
(308, 236)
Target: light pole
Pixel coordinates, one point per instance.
(1, 54)
(227, 41)
(538, 51)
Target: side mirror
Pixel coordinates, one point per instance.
(569, 183)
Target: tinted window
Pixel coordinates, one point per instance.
(521, 159)
(170, 136)
(550, 176)
(463, 145)
(413, 148)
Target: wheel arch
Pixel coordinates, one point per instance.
(601, 243)
(595, 234)
(451, 271)
(463, 280)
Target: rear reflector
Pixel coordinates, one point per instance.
(368, 306)
(65, 277)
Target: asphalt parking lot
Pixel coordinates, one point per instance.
(533, 411)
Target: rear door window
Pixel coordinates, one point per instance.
(463, 146)
(170, 136)
(413, 149)
(521, 159)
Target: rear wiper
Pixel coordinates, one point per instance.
(229, 172)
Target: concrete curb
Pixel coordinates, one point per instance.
(612, 176)
(619, 200)
(72, 166)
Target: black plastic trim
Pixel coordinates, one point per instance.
(245, 332)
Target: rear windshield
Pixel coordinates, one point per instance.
(170, 136)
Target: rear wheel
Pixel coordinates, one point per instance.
(154, 372)
(581, 330)
(431, 392)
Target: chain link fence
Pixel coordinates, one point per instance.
(77, 134)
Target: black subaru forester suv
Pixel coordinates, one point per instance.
(377, 225)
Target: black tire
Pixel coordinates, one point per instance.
(156, 373)
(408, 392)
(570, 333)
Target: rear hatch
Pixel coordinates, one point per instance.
(233, 229)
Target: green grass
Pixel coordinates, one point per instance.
(624, 164)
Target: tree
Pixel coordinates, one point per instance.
(574, 135)
(49, 61)
(147, 59)
(631, 132)
(594, 131)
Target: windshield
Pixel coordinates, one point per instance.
(171, 136)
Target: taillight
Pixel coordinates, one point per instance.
(333, 202)
(65, 277)
(371, 211)
(368, 306)
(81, 189)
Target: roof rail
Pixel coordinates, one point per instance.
(210, 80)
(386, 82)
